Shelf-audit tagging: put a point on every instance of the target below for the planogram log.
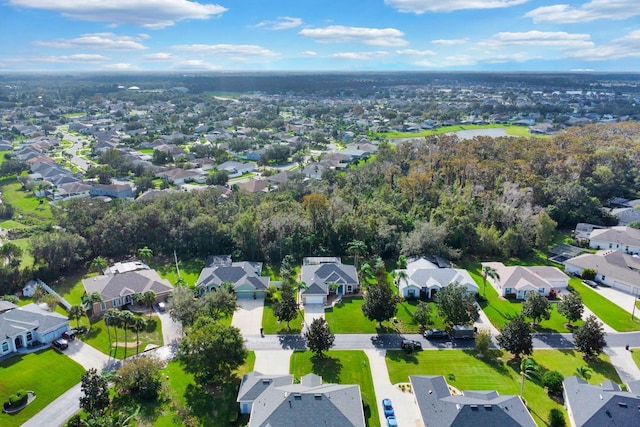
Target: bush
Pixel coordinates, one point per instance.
(556, 418)
(20, 398)
(588, 274)
(552, 380)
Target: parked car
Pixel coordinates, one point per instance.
(392, 422)
(590, 283)
(431, 334)
(411, 345)
(61, 344)
(387, 407)
(69, 335)
(463, 332)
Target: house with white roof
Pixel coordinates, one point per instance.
(613, 268)
(620, 238)
(423, 279)
(516, 281)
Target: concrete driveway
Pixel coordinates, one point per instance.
(272, 362)
(312, 311)
(248, 317)
(622, 299)
(404, 406)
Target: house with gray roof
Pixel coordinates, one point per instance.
(423, 279)
(122, 281)
(327, 275)
(626, 215)
(620, 238)
(613, 268)
(604, 405)
(438, 407)
(276, 401)
(244, 276)
(25, 326)
(517, 280)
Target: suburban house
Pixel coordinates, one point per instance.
(621, 238)
(244, 276)
(25, 326)
(277, 401)
(516, 281)
(122, 281)
(422, 279)
(606, 404)
(115, 191)
(438, 407)
(613, 268)
(324, 276)
(237, 169)
(626, 215)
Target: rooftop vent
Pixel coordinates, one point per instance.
(488, 407)
(317, 396)
(297, 396)
(623, 404)
(474, 407)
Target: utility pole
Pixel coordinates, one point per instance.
(176, 259)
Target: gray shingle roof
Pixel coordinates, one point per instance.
(318, 277)
(439, 408)
(255, 383)
(29, 317)
(131, 282)
(238, 273)
(600, 406)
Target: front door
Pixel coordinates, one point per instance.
(18, 342)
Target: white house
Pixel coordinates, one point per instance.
(613, 268)
(25, 326)
(620, 238)
(422, 279)
(327, 275)
(518, 280)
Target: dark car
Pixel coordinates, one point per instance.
(61, 344)
(432, 334)
(411, 345)
(590, 283)
(387, 407)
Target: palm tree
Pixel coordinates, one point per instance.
(401, 276)
(126, 318)
(138, 325)
(109, 317)
(145, 254)
(116, 322)
(366, 273)
(98, 264)
(584, 371)
(89, 299)
(76, 312)
(356, 247)
(38, 293)
(488, 271)
(147, 298)
(528, 369)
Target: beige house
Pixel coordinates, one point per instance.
(516, 281)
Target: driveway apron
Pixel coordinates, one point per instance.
(272, 362)
(312, 311)
(248, 317)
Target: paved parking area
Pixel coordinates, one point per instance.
(272, 362)
(622, 299)
(404, 406)
(312, 311)
(248, 317)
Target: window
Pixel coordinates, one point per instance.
(411, 293)
(602, 278)
(117, 302)
(29, 336)
(507, 291)
(103, 306)
(610, 245)
(5, 347)
(541, 290)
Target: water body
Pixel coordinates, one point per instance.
(472, 133)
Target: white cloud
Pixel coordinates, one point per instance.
(226, 49)
(282, 23)
(96, 41)
(153, 14)
(450, 42)
(624, 47)
(359, 56)
(558, 39)
(422, 6)
(511, 57)
(414, 52)
(448, 61)
(309, 53)
(195, 64)
(159, 56)
(368, 36)
(80, 57)
(120, 66)
(587, 12)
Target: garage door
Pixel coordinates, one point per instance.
(622, 286)
(314, 300)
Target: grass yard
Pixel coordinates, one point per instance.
(189, 270)
(509, 129)
(465, 371)
(70, 287)
(28, 209)
(635, 353)
(99, 338)
(340, 367)
(47, 373)
(26, 259)
(271, 325)
(186, 401)
(608, 312)
(347, 318)
(407, 325)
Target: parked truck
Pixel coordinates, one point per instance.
(463, 332)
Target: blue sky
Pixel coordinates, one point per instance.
(318, 35)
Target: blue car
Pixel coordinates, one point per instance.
(387, 407)
(391, 421)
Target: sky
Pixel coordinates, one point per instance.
(319, 35)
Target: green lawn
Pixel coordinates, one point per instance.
(189, 270)
(70, 287)
(340, 367)
(608, 312)
(26, 259)
(271, 325)
(635, 353)
(407, 325)
(186, 401)
(347, 318)
(98, 337)
(465, 371)
(25, 204)
(509, 129)
(47, 373)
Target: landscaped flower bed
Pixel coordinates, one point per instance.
(18, 401)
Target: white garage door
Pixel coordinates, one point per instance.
(314, 300)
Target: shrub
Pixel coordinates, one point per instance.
(588, 274)
(20, 398)
(556, 418)
(552, 380)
